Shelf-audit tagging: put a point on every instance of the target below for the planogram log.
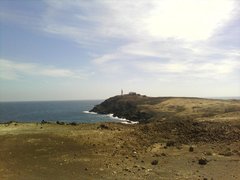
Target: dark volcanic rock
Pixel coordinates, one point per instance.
(170, 143)
(60, 123)
(191, 149)
(202, 161)
(103, 126)
(154, 162)
(73, 123)
(44, 122)
(127, 106)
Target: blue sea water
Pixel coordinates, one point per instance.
(66, 111)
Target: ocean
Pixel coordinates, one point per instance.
(52, 111)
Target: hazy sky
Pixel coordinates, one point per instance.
(80, 49)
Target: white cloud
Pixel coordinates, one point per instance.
(210, 70)
(105, 58)
(11, 70)
(164, 49)
(187, 19)
(174, 57)
(94, 22)
(155, 67)
(166, 36)
(52, 72)
(220, 68)
(181, 19)
(156, 36)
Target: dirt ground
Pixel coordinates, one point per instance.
(114, 151)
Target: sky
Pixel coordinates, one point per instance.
(79, 49)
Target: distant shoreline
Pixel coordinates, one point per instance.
(69, 100)
(34, 101)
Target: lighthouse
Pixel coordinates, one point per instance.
(121, 92)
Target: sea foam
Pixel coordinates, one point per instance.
(88, 112)
(121, 120)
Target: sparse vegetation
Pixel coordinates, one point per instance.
(44, 122)
(60, 123)
(72, 123)
(103, 126)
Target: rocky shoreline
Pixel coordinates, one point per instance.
(124, 107)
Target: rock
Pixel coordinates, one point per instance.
(226, 153)
(103, 126)
(191, 149)
(44, 122)
(60, 123)
(170, 143)
(179, 147)
(154, 162)
(10, 122)
(149, 170)
(235, 151)
(202, 161)
(163, 154)
(73, 123)
(208, 153)
(126, 169)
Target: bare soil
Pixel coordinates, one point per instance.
(160, 150)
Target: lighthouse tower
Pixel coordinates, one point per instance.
(121, 92)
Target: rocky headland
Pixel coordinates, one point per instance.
(186, 120)
(126, 106)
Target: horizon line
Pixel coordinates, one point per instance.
(52, 100)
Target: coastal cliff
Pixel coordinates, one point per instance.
(181, 119)
(126, 106)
